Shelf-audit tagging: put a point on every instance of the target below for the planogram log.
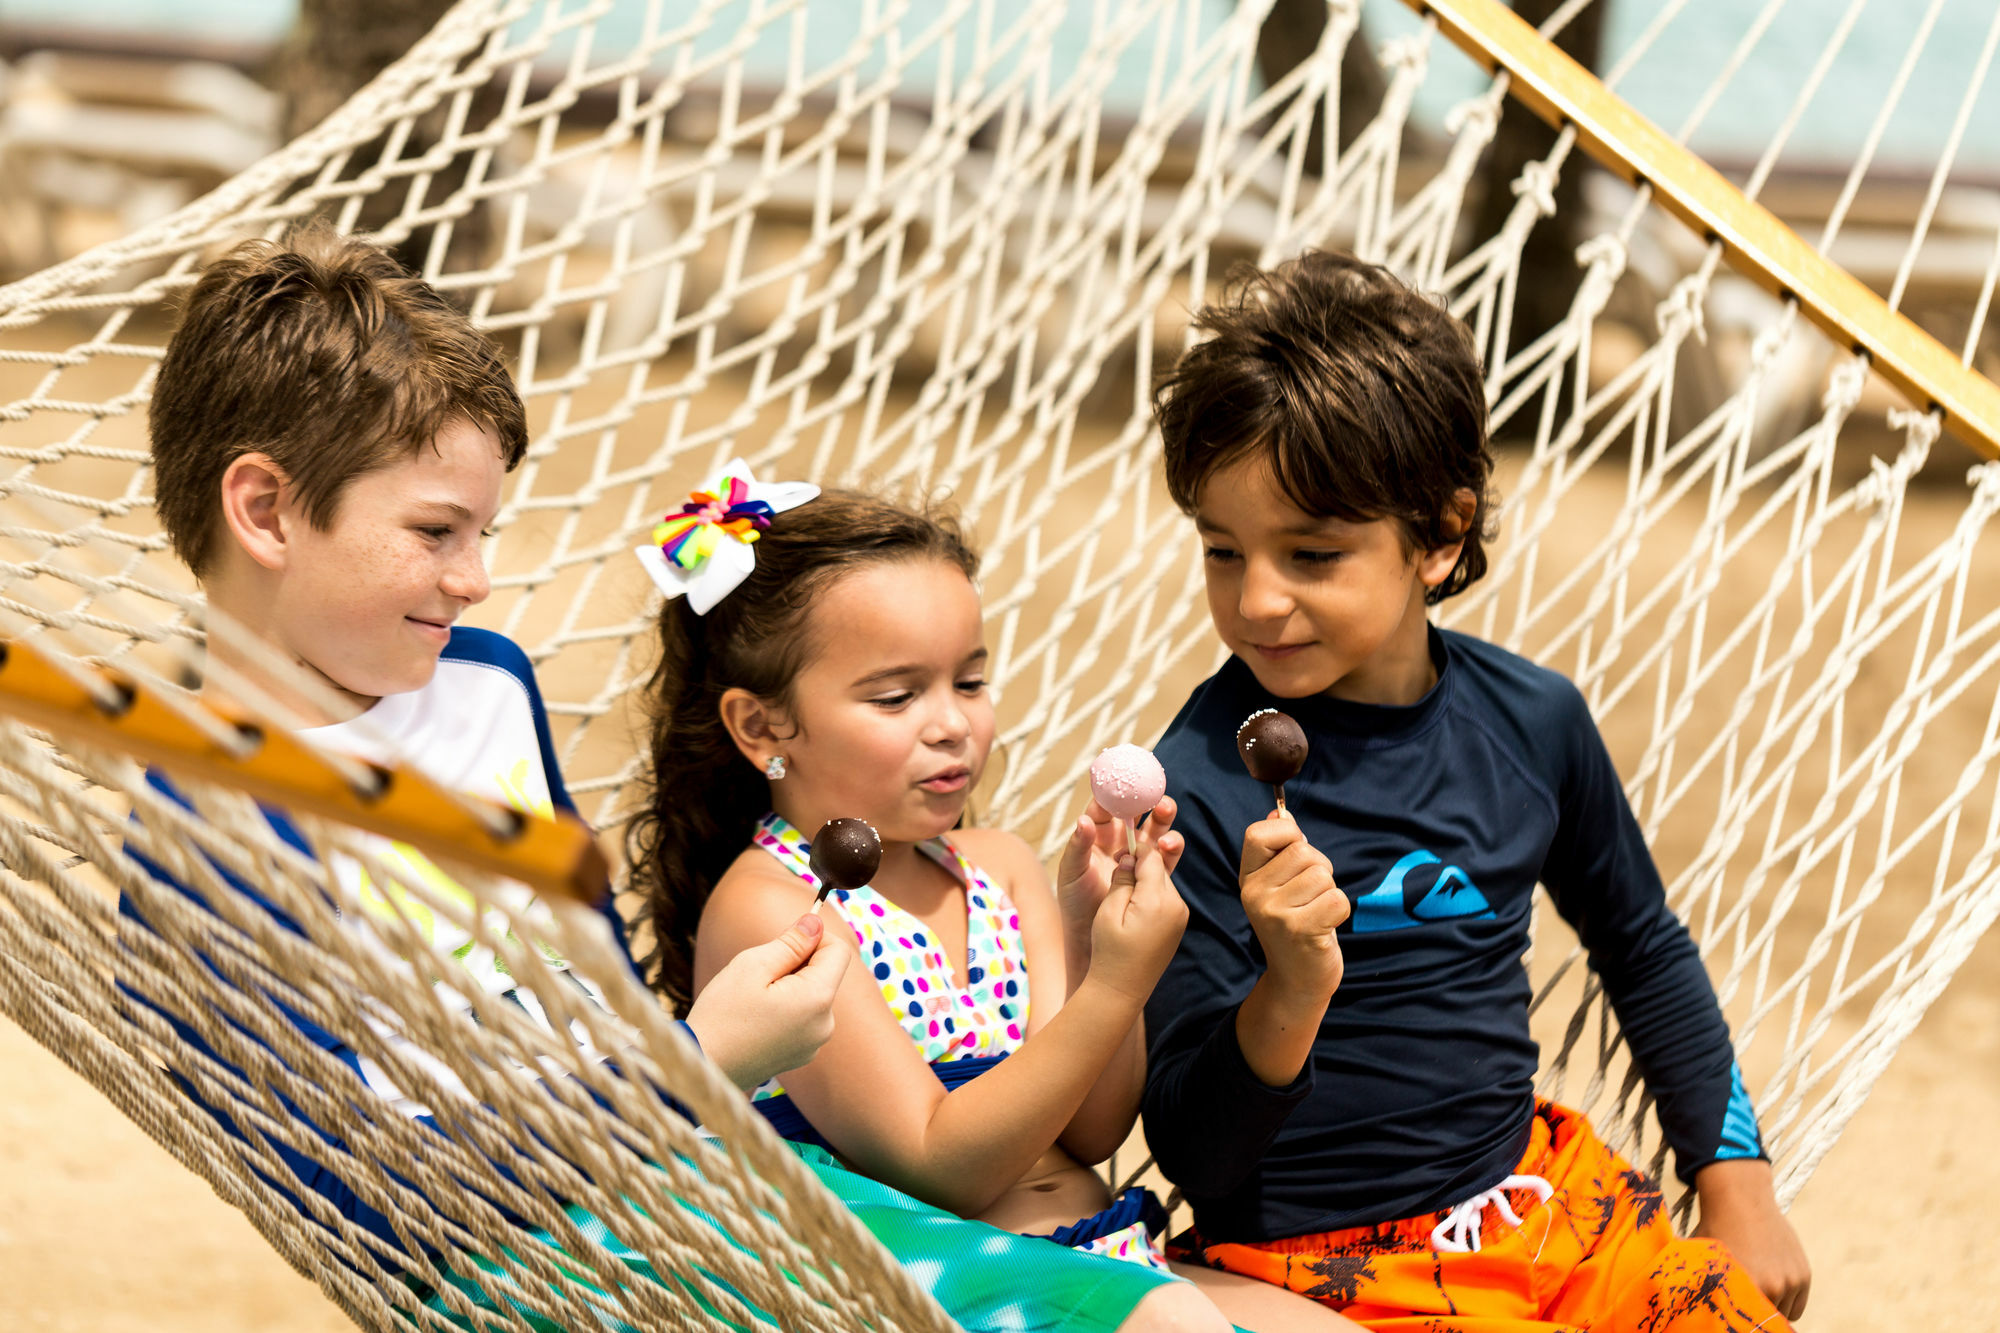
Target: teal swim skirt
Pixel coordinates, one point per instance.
(990, 1281)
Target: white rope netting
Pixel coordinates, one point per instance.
(950, 244)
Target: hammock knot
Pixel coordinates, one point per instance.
(1480, 114)
(1769, 343)
(1877, 486)
(1888, 479)
(1411, 53)
(1843, 387)
(1537, 182)
(1602, 259)
(1920, 429)
(1605, 252)
(1681, 312)
(1984, 479)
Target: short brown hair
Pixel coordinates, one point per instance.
(324, 353)
(1365, 396)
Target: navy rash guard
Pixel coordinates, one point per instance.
(1439, 818)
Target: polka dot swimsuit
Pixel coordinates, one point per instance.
(986, 1016)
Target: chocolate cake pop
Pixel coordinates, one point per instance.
(845, 854)
(1273, 748)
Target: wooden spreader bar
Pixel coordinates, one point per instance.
(557, 857)
(1754, 242)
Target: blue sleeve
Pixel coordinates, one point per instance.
(1209, 1119)
(497, 650)
(1602, 877)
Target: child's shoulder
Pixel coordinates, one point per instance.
(996, 851)
(755, 898)
(1490, 678)
(488, 648)
(1498, 670)
(1534, 713)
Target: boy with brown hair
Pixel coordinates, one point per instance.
(328, 441)
(329, 438)
(1341, 1075)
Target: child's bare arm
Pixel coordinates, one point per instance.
(1057, 933)
(870, 1094)
(1294, 907)
(1056, 966)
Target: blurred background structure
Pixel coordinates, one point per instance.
(116, 113)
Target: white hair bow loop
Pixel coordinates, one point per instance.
(707, 549)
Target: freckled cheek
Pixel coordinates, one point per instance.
(391, 574)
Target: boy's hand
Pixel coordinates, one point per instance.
(1139, 923)
(1739, 1207)
(1294, 907)
(771, 1008)
(1088, 861)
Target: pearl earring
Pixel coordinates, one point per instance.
(774, 768)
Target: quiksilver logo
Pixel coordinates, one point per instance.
(1395, 904)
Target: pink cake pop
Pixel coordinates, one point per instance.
(1127, 781)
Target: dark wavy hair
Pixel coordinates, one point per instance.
(1365, 396)
(704, 798)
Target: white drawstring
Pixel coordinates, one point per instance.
(1458, 1233)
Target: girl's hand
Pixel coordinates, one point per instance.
(1140, 919)
(770, 1008)
(1088, 861)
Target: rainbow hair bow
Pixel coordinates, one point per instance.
(705, 551)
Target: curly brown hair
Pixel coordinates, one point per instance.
(704, 798)
(325, 354)
(1365, 396)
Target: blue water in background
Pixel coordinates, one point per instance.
(1665, 85)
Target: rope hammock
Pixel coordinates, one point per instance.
(949, 244)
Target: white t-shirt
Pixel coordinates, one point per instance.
(477, 727)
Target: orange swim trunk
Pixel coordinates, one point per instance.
(1600, 1255)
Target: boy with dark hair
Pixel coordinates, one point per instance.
(1341, 1076)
